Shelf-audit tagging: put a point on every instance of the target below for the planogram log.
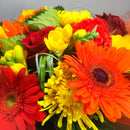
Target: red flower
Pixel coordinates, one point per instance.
(104, 38)
(34, 43)
(114, 24)
(18, 100)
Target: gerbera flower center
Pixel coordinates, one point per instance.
(100, 75)
(10, 101)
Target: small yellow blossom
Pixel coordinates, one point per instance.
(18, 54)
(59, 38)
(2, 33)
(74, 17)
(17, 67)
(119, 41)
(80, 32)
(27, 12)
(59, 100)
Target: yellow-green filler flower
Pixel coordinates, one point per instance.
(59, 100)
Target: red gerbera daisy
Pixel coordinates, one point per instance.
(101, 83)
(18, 100)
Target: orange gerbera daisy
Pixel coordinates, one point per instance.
(14, 28)
(101, 83)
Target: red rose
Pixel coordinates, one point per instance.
(114, 24)
(104, 37)
(34, 43)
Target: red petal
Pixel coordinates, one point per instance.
(11, 126)
(33, 98)
(27, 119)
(31, 109)
(6, 76)
(20, 76)
(29, 81)
(31, 91)
(39, 116)
(20, 123)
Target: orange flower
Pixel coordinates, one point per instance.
(27, 14)
(101, 83)
(14, 28)
(127, 25)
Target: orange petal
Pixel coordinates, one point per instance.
(75, 84)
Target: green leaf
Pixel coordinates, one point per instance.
(59, 7)
(42, 72)
(3, 62)
(44, 19)
(50, 66)
(88, 36)
(9, 58)
(0, 23)
(10, 43)
(102, 126)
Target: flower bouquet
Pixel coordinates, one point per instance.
(66, 69)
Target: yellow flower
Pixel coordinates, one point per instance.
(74, 17)
(59, 100)
(80, 32)
(59, 38)
(27, 12)
(119, 41)
(7, 53)
(2, 33)
(18, 54)
(17, 67)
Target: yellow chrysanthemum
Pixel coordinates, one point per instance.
(119, 41)
(59, 38)
(74, 17)
(59, 100)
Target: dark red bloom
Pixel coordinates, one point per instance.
(34, 43)
(115, 24)
(18, 100)
(104, 38)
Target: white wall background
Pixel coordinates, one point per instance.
(10, 9)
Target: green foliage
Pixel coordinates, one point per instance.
(10, 43)
(59, 7)
(43, 19)
(88, 36)
(44, 64)
(0, 23)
